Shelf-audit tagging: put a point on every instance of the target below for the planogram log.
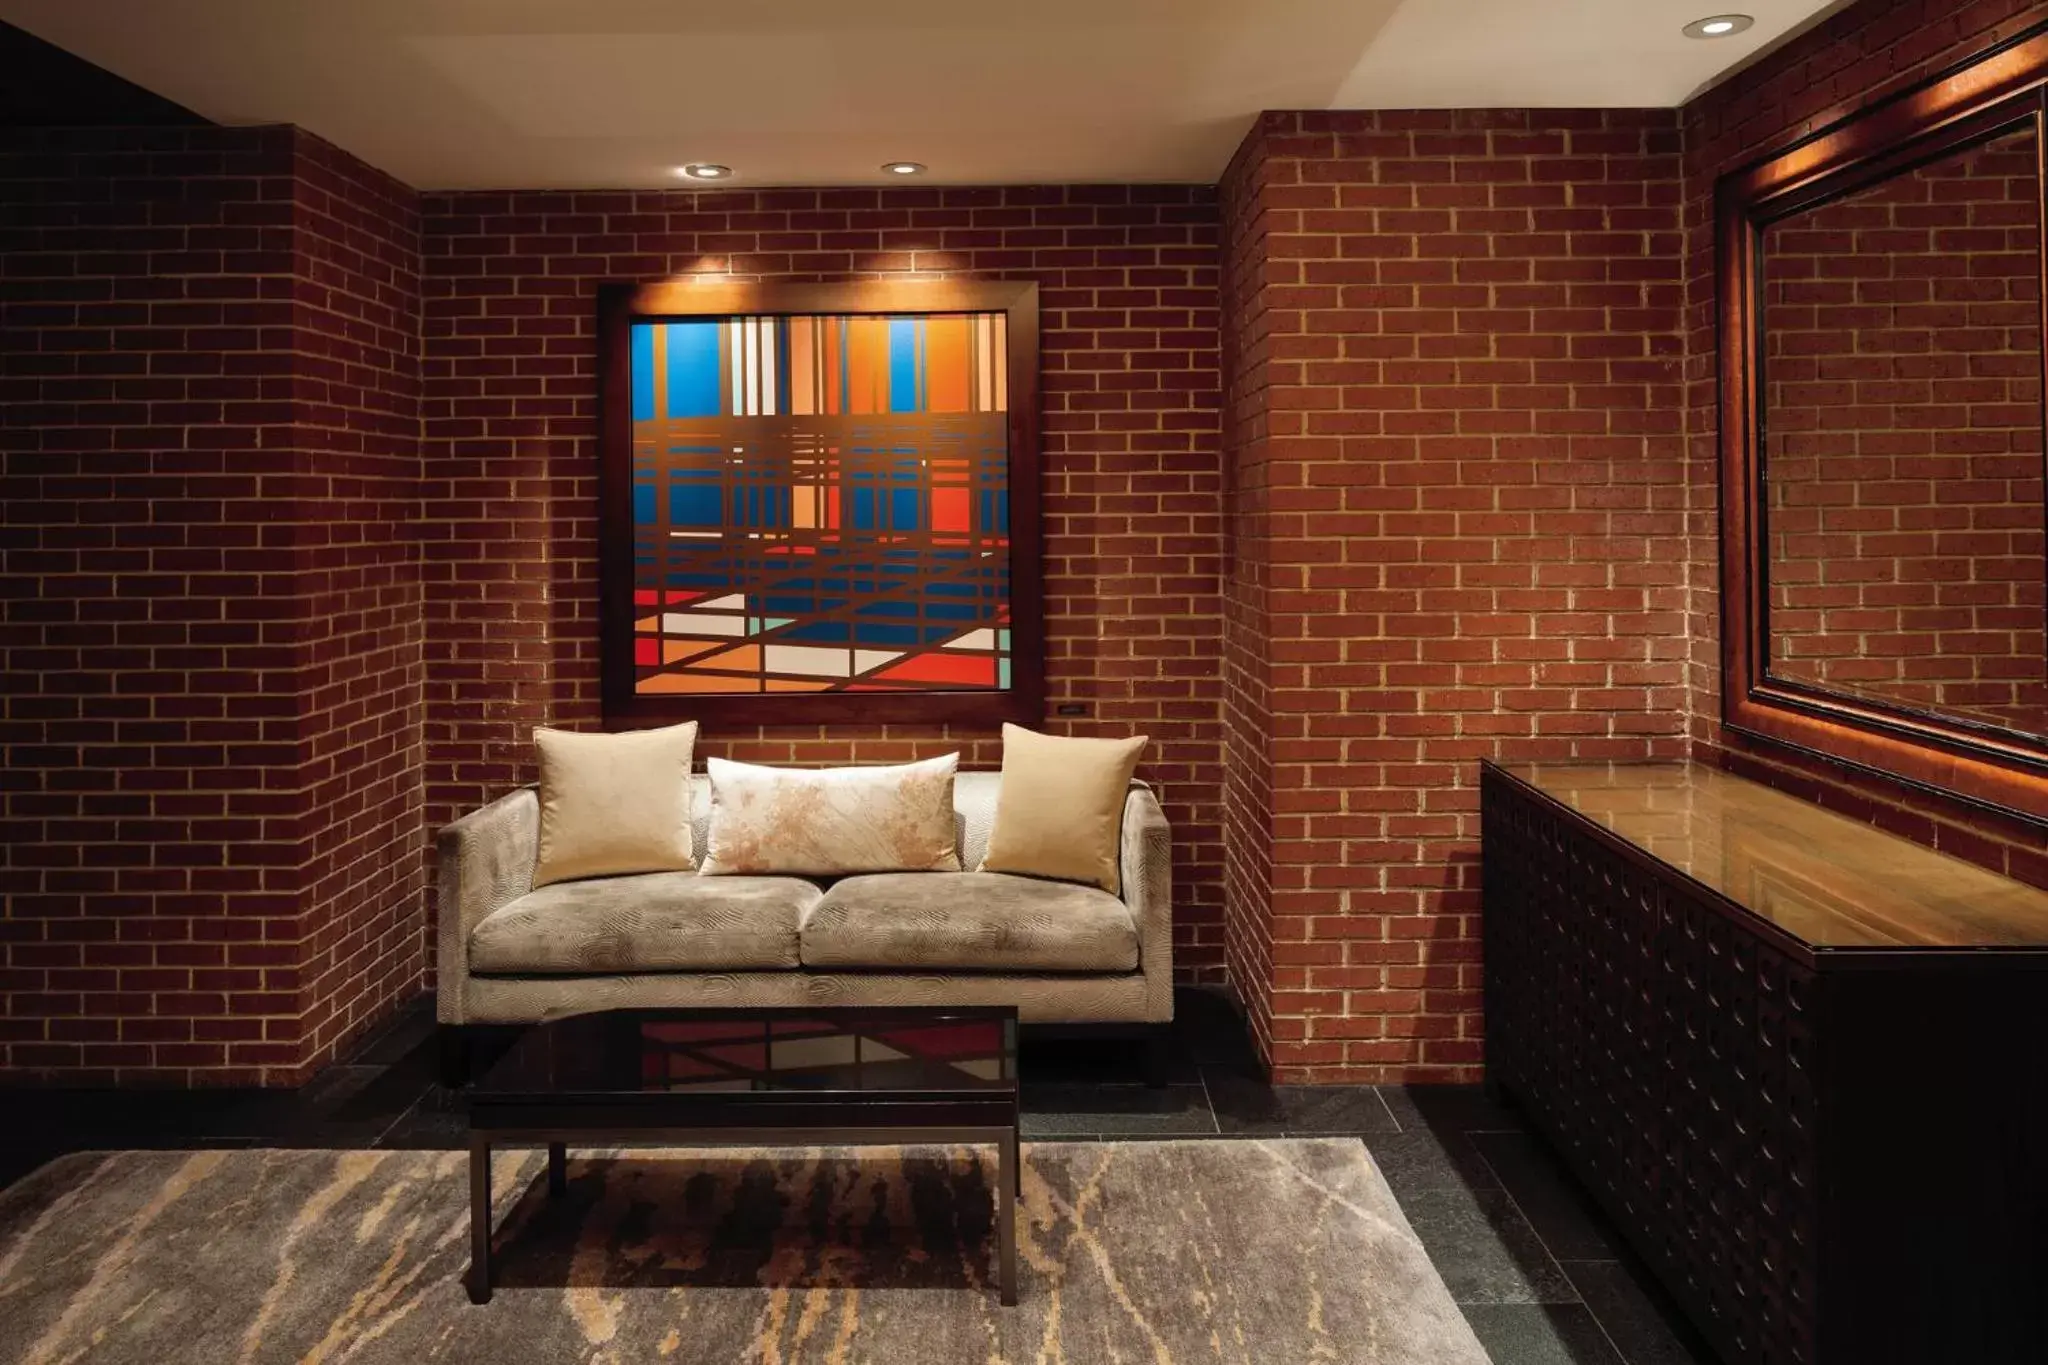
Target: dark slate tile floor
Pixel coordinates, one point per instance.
(1541, 1276)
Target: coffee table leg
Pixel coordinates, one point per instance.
(479, 1220)
(558, 1169)
(1008, 1176)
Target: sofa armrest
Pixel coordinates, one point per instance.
(485, 862)
(1145, 867)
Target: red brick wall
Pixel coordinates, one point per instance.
(1902, 333)
(1133, 516)
(203, 830)
(1248, 797)
(1856, 57)
(148, 425)
(1472, 450)
(362, 753)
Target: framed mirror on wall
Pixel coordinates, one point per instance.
(1884, 440)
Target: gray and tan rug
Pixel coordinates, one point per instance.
(1259, 1253)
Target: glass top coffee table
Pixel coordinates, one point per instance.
(833, 1077)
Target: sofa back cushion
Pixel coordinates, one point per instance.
(832, 821)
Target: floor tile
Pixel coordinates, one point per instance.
(1483, 1247)
(1255, 1109)
(1418, 1159)
(156, 1118)
(438, 1122)
(1462, 1108)
(1561, 1211)
(352, 1106)
(411, 1031)
(1068, 1110)
(1098, 1061)
(1541, 1334)
(1638, 1316)
(1211, 1031)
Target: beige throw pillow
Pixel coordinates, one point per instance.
(828, 822)
(1060, 811)
(611, 804)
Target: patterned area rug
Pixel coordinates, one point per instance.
(1260, 1253)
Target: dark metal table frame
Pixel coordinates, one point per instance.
(744, 1118)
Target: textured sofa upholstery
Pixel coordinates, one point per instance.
(1060, 953)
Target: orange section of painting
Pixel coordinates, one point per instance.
(689, 682)
(999, 327)
(867, 364)
(946, 379)
(830, 353)
(803, 396)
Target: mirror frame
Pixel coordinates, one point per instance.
(1993, 92)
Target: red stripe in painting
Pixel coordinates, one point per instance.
(949, 509)
(966, 670)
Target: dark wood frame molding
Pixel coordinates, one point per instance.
(620, 305)
(2001, 89)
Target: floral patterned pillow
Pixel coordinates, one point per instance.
(832, 821)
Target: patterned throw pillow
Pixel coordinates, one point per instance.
(611, 804)
(828, 822)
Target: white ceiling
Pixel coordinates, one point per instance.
(449, 94)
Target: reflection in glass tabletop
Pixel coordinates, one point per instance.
(907, 1051)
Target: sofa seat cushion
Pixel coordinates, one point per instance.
(657, 922)
(969, 921)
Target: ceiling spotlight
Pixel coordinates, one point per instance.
(704, 170)
(903, 167)
(1718, 26)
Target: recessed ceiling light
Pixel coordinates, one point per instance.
(704, 170)
(1718, 26)
(903, 167)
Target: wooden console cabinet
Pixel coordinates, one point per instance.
(1802, 1063)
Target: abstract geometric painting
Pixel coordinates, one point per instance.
(821, 503)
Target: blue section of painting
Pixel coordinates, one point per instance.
(904, 335)
(691, 504)
(693, 368)
(643, 372)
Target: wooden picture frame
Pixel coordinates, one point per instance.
(2000, 89)
(625, 625)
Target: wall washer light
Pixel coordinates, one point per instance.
(704, 170)
(1718, 26)
(903, 167)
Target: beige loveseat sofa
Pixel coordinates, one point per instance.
(1061, 953)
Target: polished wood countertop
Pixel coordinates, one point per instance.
(1823, 878)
